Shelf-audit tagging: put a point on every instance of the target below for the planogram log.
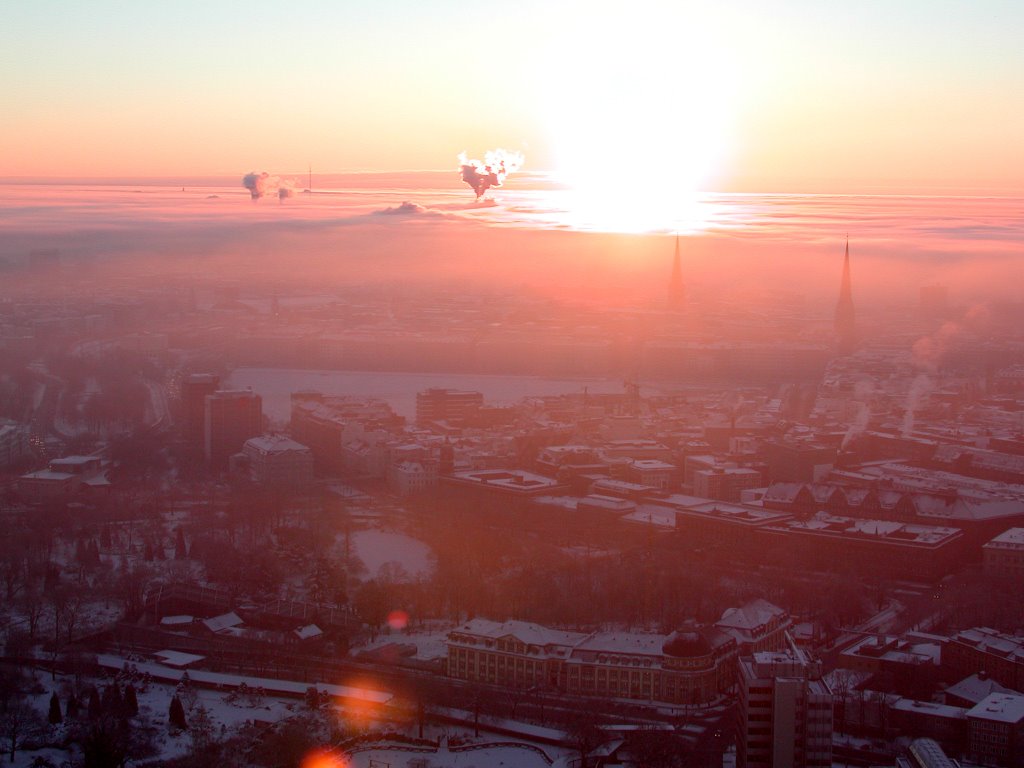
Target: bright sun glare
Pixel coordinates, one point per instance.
(638, 108)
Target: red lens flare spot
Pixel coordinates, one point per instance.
(398, 619)
(323, 759)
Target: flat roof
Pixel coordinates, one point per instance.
(889, 531)
(1009, 539)
(509, 479)
(929, 708)
(999, 707)
(275, 444)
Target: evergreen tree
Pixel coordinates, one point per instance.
(54, 716)
(179, 545)
(105, 537)
(71, 708)
(106, 744)
(94, 552)
(95, 705)
(176, 714)
(112, 702)
(131, 701)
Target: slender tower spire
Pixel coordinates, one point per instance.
(846, 319)
(676, 292)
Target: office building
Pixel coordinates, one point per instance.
(231, 418)
(785, 712)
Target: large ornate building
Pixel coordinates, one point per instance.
(692, 666)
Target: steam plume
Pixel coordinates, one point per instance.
(920, 388)
(260, 184)
(256, 183)
(858, 425)
(862, 391)
(491, 172)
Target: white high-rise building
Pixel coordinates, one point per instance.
(785, 711)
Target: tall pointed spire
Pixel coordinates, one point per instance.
(676, 292)
(846, 319)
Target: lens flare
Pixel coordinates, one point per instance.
(321, 758)
(398, 619)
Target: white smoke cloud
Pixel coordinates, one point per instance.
(863, 389)
(491, 171)
(920, 388)
(929, 352)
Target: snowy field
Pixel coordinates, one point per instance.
(226, 712)
(377, 548)
(477, 757)
(429, 645)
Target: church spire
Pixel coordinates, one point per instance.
(846, 319)
(676, 292)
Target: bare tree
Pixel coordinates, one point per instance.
(32, 608)
(19, 722)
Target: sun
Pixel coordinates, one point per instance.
(638, 105)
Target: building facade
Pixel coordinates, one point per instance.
(279, 461)
(756, 626)
(982, 649)
(231, 418)
(436, 404)
(693, 666)
(785, 712)
(194, 391)
(1004, 555)
(996, 730)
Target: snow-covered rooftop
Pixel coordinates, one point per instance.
(1010, 539)
(976, 688)
(222, 622)
(756, 613)
(1000, 707)
(275, 444)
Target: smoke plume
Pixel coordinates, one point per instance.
(256, 183)
(491, 172)
(920, 388)
(260, 184)
(862, 392)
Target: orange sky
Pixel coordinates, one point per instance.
(907, 95)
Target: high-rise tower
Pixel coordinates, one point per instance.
(785, 711)
(231, 417)
(676, 292)
(846, 320)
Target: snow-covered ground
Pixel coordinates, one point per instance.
(430, 644)
(376, 548)
(231, 681)
(497, 745)
(493, 756)
(154, 702)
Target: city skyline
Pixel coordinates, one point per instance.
(551, 384)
